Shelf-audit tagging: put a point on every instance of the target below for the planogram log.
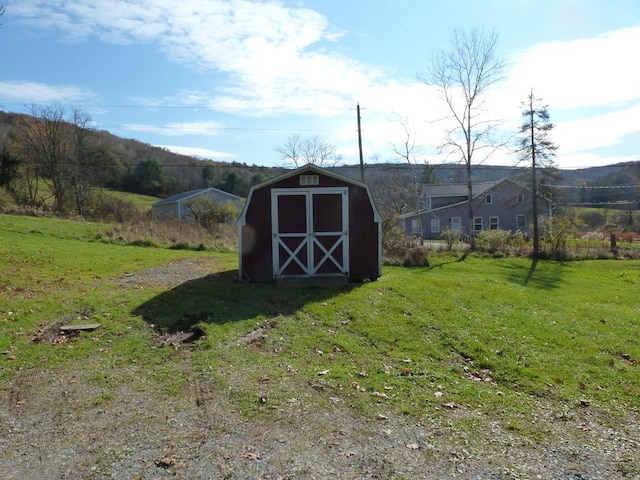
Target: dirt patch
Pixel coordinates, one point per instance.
(257, 334)
(64, 426)
(179, 338)
(170, 275)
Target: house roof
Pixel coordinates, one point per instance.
(179, 197)
(458, 189)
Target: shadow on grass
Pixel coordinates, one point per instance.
(461, 258)
(542, 274)
(219, 298)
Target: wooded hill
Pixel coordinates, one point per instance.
(133, 166)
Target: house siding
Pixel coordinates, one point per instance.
(504, 206)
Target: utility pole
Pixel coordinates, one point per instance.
(360, 143)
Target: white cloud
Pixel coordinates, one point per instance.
(34, 92)
(177, 128)
(198, 152)
(601, 130)
(276, 59)
(580, 73)
(273, 56)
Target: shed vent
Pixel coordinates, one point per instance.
(309, 179)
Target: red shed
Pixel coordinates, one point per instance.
(310, 223)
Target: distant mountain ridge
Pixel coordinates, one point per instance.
(189, 168)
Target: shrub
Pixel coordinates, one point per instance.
(555, 233)
(591, 218)
(108, 208)
(416, 257)
(493, 241)
(6, 199)
(209, 214)
(450, 237)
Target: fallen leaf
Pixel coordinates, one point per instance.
(380, 416)
(450, 405)
(379, 394)
(165, 462)
(413, 446)
(347, 454)
(438, 394)
(323, 372)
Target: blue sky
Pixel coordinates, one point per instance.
(232, 79)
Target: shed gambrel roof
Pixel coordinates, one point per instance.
(180, 197)
(309, 167)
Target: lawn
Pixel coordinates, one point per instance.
(503, 338)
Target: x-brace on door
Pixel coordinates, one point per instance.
(310, 232)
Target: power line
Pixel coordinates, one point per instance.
(593, 187)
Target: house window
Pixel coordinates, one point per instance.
(489, 199)
(309, 179)
(415, 226)
(477, 224)
(520, 198)
(435, 225)
(428, 203)
(456, 224)
(521, 222)
(494, 223)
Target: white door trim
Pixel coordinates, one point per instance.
(310, 239)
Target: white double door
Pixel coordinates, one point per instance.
(310, 232)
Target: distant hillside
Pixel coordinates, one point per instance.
(182, 173)
(179, 172)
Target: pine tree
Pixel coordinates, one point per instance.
(537, 149)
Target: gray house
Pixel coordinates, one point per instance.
(177, 206)
(500, 205)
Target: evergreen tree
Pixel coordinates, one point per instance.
(537, 150)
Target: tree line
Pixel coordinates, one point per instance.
(52, 158)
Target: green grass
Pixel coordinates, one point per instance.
(501, 337)
(141, 201)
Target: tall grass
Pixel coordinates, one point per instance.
(173, 234)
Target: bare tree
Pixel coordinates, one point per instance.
(302, 150)
(408, 151)
(537, 149)
(64, 155)
(462, 76)
(45, 146)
